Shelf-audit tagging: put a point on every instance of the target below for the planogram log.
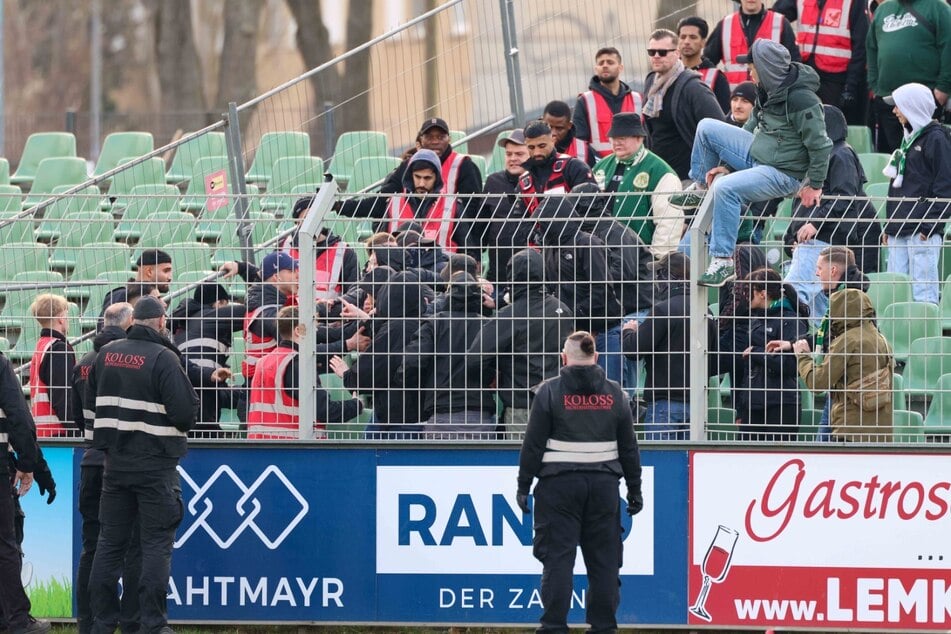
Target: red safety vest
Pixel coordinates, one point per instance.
(825, 35)
(709, 76)
(255, 346)
(47, 423)
(439, 223)
(600, 116)
(328, 268)
(734, 43)
(272, 413)
(526, 184)
(578, 149)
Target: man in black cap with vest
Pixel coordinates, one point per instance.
(144, 406)
(579, 441)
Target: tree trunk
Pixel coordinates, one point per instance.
(670, 12)
(237, 70)
(356, 115)
(179, 69)
(313, 42)
(431, 62)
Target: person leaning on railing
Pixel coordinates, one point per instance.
(856, 371)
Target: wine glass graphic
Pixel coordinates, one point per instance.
(716, 565)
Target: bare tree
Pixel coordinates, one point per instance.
(179, 69)
(237, 69)
(356, 116)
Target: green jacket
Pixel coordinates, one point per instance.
(789, 130)
(643, 174)
(901, 49)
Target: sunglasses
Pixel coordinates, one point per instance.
(659, 52)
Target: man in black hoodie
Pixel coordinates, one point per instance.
(579, 441)
(503, 230)
(116, 319)
(845, 218)
(520, 345)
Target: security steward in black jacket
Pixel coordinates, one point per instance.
(17, 431)
(116, 319)
(579, 441)
(144, 406)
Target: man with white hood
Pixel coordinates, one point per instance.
(919, 171)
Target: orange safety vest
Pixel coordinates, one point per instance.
(47, 423)
(272, 413)
(734, 43)
(600, 115)
(328, 268)
(825, 35)
(526, 184)
(255, 346)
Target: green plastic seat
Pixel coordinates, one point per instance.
(52, 173)
(195, 197)
(264, 228)
(353, 146)
(370, 170)
(878, 194)
(454, 136)
(189, 153)
(903, 322)
(16, 307)
(57, 214)
(497, 158)
(289, 173)
(121, 145)
(809, 424)
(97, 294)
(776, 256)
(860, 138)
(188, 257)
(885, 289)
(164, 228)
(938, 419)
(39, 146)
(899, 400)
(83, 228)
(274, 146)
(16, 230)
(721, 423)
(480, 163)
(928, 359)
(908, 426)
(143, 202)
(25, 345)
(18, 257)
(873, 163)
(93, 259)
(11, 198)
(4, 171)
(148, 172)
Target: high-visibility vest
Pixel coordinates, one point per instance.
(825, 34)
(47, 423)
(328, 268)
(272, 413)
(438, 224)
(734, 43)
(578, 149)
(450, 172)
(600, 116)
(255, 346)
(709, 76)
(526, 184)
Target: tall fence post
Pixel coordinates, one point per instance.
(698, 327)
(313, 220)
(512, 69)
(330, 128)
(238, 185)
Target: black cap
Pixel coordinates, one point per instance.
(435, 122)
(148, 307)
(745, 90)
(301, 206)
(676, 264)
(209, 293)
(151, 257)
(626, 124)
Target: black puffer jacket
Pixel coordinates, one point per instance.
(522, 344)
(397, 320)
(506, 228)
(435, 358)
(576, 266)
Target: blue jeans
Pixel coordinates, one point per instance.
(716, 143)
(608, 345)
(825, 427)
(802, 276)
(667, 420)
(918, 258)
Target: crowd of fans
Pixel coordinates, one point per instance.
(471, 285)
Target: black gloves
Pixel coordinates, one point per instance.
(848, 99)
(635, 502)
(44, 480)
(522, 500)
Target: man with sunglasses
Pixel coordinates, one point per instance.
(675, 101)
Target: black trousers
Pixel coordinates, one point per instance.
(90, 491)
(779, 423)
(572, 509)
(14, 604)
(154, 498)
